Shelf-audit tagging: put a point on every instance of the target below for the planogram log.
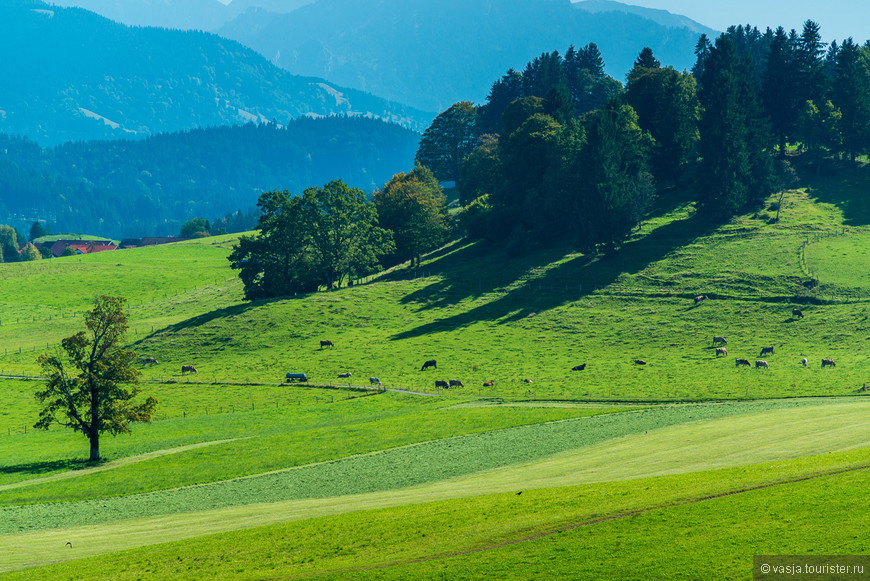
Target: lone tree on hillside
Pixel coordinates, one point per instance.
(94, 400)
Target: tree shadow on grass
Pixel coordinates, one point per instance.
(557, 286)
(205, 318)
(843, 184)
(37, 468)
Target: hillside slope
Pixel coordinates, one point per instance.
(242, 475)
(91, 78)
(485, 317)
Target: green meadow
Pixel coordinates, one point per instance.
(682, 468)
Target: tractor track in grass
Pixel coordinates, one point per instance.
(566, 526)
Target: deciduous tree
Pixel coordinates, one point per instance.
(450, 138)
(414, 207)
(87, 384)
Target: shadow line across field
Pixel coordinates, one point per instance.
(525, 300)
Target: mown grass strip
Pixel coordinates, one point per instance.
(417, 524)
(391, 469)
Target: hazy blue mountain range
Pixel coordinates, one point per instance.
(148, 187)
(432, 53)
(206, 15)
(69, 74)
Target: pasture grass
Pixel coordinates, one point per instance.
(550, 454)
(42, 302)
(484, 319)
(538, 534)
(251, 442)
(385, 480)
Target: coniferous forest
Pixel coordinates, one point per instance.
(560, 153)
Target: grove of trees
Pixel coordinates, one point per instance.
(562, 154)
(324, 237)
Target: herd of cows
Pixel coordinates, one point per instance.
(719, 343)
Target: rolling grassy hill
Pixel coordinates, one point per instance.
(242, 476)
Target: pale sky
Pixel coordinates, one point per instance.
(839, 19)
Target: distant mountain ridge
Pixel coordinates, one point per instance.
(432, 53)
(90, 78)
(208, 15)
(662, 17)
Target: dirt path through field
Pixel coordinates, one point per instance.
(114, 464)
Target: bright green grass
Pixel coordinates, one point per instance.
(390, 538)
(506, 458)
(531, 318)
(252, 443)
(42, 302)
(842, 264)
(710, 539)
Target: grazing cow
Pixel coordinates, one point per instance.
(489, 384)
(797, 313)
(374, 381)
(700, 299)
(721, 351)
(828, 362)
(442, 384)
(188, 369)
(804, 361)
(761, 363)
(527, 381)
(326, 343)
(718, 339)
(456, 383)
(766, 350)
(640, 361)
(578, 367)
(149, 361)
(428, 364)
(345, 375)
(739, 362)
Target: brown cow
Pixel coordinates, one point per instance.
(721, 351)
(149, 361)
(759, 363)
(828, 362)
(718, 339)
(439, 383)
(640, 361)
(326, 343)
(700, 299)
(578, 367)
(428, 364)
(489, 384)
(797, 313)
(739, 362)
(766, 350)
(188, 369)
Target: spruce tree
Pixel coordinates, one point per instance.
(779, 88)
(851, 95)
(737, 170)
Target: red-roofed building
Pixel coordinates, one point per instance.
(82, 246)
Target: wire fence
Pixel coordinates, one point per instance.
(275, 403)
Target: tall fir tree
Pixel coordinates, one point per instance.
(779, 89)
(851, 95)
(810, 65)
(737, 170)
